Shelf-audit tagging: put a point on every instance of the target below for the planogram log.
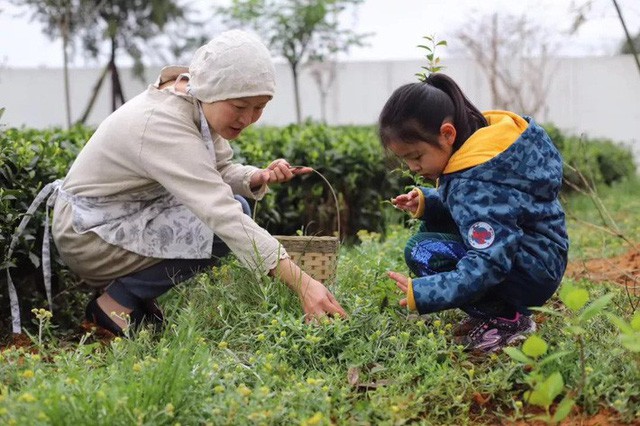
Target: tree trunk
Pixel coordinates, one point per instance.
(493, 64)
(94, 96)
(626, 32)
(64, 29)
(296, 91)
(117, 97)
(323, 106)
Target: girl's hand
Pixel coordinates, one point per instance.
(277, 172)
(407, 202)
(402, 282)
(317, 301)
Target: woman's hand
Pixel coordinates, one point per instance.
(317, 301)
(277, 172)
(407, 202)
(402, 282)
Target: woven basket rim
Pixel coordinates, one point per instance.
(309, 244)
(307, 237)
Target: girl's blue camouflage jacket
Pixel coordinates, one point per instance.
(501, 188)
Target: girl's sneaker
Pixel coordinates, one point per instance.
(466, 325)
(493, 334)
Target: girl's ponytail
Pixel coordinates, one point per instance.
(467, 118)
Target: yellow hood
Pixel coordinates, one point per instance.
(503, 130)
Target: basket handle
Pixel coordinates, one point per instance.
(333, 193)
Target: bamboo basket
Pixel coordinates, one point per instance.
(316, 255)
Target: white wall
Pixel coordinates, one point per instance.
(598, 96)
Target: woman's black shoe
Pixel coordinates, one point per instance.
(94, 314)
(149, 312)
(152, 313)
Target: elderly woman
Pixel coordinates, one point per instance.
(154, 196)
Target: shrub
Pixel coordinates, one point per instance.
(350, 158)
(29, 159)
(602, 161)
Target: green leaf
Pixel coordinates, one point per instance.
(576, 330)
(544, 393)
(576, 298)
(555, 384)
(563, 409)
(553, 357)
(547, 311)
(635, 321)
(538, 397)
(631, 342)
(517, 355)
(620, 323)
(34, 259)
(566, 288)
(595, 307)
(534, 346)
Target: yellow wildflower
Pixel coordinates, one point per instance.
(27, 397)
(313, 420)
(169, 409)
(244, 390)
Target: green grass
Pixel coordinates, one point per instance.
(622, 204)
(238, 352)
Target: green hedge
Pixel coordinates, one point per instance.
(350, 159)
(29, 159)
(600, 161)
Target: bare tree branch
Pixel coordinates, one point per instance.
(514, 54)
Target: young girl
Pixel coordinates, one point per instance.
(493, 239)
(153, 196)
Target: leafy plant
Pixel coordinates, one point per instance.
(544, 388)
(29, 159)
(350, 158)
(592, 162)
(433, 61)
(629, 331)
(43, 319)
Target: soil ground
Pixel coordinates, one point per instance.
(623, 270)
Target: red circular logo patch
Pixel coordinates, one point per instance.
(481, 235)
